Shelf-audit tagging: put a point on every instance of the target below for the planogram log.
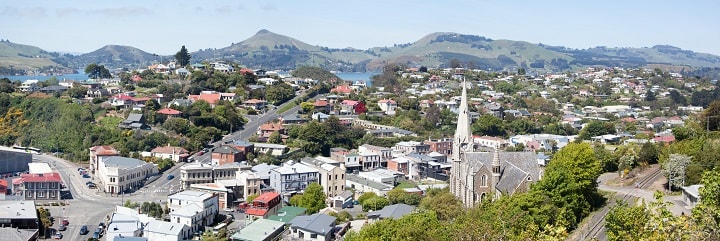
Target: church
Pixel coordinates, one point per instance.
(481, 176)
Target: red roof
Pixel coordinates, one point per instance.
(169, 150)
(266, 197)
(387, 101)
(3, 183)
(320, 103)
(43, 177)
(256, 212)
(209, 98)
(664, 139)
(104, 151)
(123, 97)
(169, 111)
(350, 102)
(343, 89)
(271, 127)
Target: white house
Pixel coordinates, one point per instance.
(387, 105)
(119, 174)
(193, 208)
(176, 154)
(292, 177)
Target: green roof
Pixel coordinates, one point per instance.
(261, 229)
(287, 213)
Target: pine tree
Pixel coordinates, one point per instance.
(182, 57)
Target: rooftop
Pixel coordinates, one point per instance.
(287, 213)
(393, 211)
(39, 167)
(260, 229)
(317, 223)
(196, 196)
(17, 210)
(122, 162)
(163, 227)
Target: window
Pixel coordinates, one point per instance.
(483, 181)
(41, 194)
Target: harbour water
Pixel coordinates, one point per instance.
(354, 76)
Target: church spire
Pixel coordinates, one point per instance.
(463, 135)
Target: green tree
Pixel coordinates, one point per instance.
(375, 203)
(443, 203)
(710, 117)
(275, 138)
(313, 198)
(251, 197)
(488, 125)
(674, 170)
(96, 71)
(650, 95)
(707, 213)
(77, 91)
(366, 196)
(678, 98)
(45, 221)
(183, 57)
(596, 128)
(397, 195)
(650, 222)
(648, 153)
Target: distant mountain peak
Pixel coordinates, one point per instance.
(263, 31)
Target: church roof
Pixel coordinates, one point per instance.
(514, 167)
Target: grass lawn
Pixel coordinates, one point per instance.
(110, 121)
(406, 184)
(287, 107)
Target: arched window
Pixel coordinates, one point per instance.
(474, 197)
(483, 181)
(482, 197)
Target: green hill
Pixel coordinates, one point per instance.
(25, 57)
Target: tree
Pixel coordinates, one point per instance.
(97, 71)
(648, 153)
(375, 203)
(275, 138)
(710, 118)
(707, 212)
(45, 221)
(674, 170)
(397, 195)
(183, 57)
(366, 196)
(443, 203)
(313, 198)
(77, 91)
(251, 197)
(678, 98)
(650, 95)
(488, 125)
(596, 128)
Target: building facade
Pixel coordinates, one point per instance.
(38, 186)
(193, 208)
(122, 174)
(292, 177)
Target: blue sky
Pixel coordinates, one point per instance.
(163, 26)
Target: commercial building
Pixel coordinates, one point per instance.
(40, 186)
(263, 206)
(97, 153)
(18, 220)
(122, 174)
(12, 161)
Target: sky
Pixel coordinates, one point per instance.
(161, 27)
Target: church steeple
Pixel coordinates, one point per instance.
(496, 163)
(463, 135)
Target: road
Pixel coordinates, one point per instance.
(85, 206)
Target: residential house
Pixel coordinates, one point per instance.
(38, 186)
(255, 104)
(179, 103)
(351, 160)
(193, 208)
(169, 112)
(225, 154)
(292, 120)
(407, 147)
(314, 227)
(331, 174)
(352, 107)
(265, 130)
(372, 157)
(133, 121)
(395, 211)
(322, 105)
(492, 142)
(124, 225)
(251, 182)
(343, 90)
(217, 189)
(272, 149)
(122, 174)
(212, 97)
(388, 106)
(264, 206)
(174, 153)
(442, 146)
(494, 109)
(53, 89)
(362, 185)
(29, 86)
(97, 93)
(292, 177)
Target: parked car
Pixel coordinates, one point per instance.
(58, 236)
(65, 222)
(171, 176)
(86, 175)
(62, 227)
(101, 225)
(83, 230)
(96, 235)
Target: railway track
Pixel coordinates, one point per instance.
(599, 227)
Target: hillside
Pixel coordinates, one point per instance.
(116, 56)
(270, 50)
(25, 57)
